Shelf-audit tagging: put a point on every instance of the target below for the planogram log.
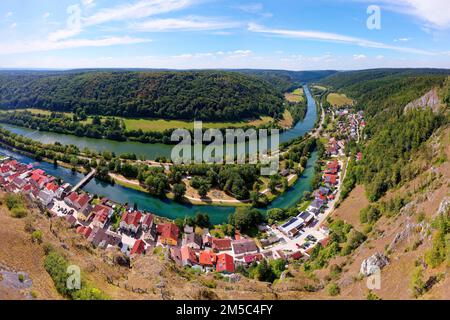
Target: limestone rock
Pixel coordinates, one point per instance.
(373, 263)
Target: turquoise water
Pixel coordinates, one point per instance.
(150, 150)
(166, 208)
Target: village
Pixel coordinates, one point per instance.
(106, 224)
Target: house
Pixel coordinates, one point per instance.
(284, 172)
(188, 256)
(250, 258)
(292, 227)
(71, 220)
(168, 234)
(130, 221)
(83, 215)
(101, 238)
(175, 255)
(296, 255)
(147, 222)
(279, 254)
(221, 244)
(244, 246)
(359, 156)
(82, 201)
(19, 183)
(306, 217)
(85, 231)
(52, 188)
(207, 240)
(101, 214)
(192, 240)
(63, 191)
(151, 235)
(207, 259)
(71, 198)
(225, 263)
(316, 204)
(188, 229)
(138, 247)
(330, 179)
(45, 197)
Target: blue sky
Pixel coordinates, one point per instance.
(276, 34)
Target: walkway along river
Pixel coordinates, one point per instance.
(164, 208)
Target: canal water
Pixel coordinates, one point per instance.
(164, 208)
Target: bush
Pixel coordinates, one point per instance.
(36, 236)
(21, 277)
(19, 212)
(333, 289)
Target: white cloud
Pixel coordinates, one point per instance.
(359, 56)
(63, 34)
(13, 25)
(46, 15)
(379, 57)
(331, 37)
(186, 24)
(251, 7)
(36, 46)
(140, 9)
(402, 40)
(435, 13)
(88, 3)
(8, 14)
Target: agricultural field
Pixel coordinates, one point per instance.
(43, 112)
(321, 88)
(161, 124)
(295, 96)
(339, 100)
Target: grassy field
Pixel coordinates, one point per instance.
(287, 121)
(339, 100)
(321, 88)
(47, 113)
(295, 96)
(161, 125)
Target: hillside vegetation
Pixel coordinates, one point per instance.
(392, 134)
(201, 95)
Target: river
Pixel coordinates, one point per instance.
(164, 208)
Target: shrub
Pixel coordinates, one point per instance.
(21, 277)
(333, 289)
(36, 236)
(19, 212)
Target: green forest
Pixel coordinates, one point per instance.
(188, 95)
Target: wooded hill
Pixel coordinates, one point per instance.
(189, 95)
(393, 135)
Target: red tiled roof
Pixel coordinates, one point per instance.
(132, 218)
(207, 258)
(51, 187)
(83, 200)
(148, 219)
(73, 197)
(225, 262)
(85, 231)
(296, 255)
(168, 231)
(221, 244)
(138, 247)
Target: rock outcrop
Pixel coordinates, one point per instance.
(376, 262)
(428, 100)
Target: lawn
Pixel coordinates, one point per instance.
(161, 124)
(339, 100)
